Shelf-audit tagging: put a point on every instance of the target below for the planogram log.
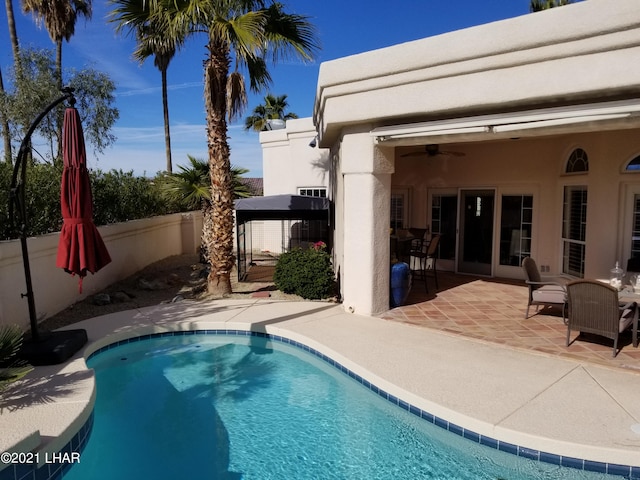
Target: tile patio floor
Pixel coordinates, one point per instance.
(492, 310)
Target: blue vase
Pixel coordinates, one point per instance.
(400, 283)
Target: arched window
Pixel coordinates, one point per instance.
(578, 162)
(634, 165)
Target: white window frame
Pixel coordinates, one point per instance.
(565, 240)
(405, 194)
(314, 190)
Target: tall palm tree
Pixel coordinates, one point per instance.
(538, 5)
(59, 18)
(273, 108)
(240, 34)
(135, 15)
(4, 124)
(13, 35)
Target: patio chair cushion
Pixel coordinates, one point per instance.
(549, 294)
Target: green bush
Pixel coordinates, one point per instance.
(117, 197)
(305, 272)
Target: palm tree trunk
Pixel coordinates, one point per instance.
(6, 133)
(165, 110)
(13, 35)
(220, 245)
(59, 112)
(11, 21)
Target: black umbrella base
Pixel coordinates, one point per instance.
(52, 348)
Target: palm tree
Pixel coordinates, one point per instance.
(13, 35)
(273, 108)
(191, 188)
(538, 5)
(135, 15)
(240, 34)
(4, 124)
(59, 18)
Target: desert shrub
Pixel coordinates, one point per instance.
(117, 197)
(305, 272)
(122, 196)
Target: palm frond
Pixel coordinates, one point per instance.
(10, 342)
(190, 185)
(259, 76)
(11, 369)
(289, 33)
(236, 95)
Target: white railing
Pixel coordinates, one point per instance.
(132, 245)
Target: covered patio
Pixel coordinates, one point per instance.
(492, 310)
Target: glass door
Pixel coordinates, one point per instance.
(475, 231)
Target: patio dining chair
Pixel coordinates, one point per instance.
(594, 308)
(544, 290)
(423, 261)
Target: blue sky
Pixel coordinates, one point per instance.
(344, 27)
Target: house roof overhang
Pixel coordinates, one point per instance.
(615, 115)
(580, 54)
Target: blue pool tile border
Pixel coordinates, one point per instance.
(626, 471)
(53, 472)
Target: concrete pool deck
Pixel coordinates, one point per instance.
(538, 401)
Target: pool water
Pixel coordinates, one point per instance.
(227, 407)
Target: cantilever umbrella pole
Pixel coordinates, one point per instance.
(17, 199)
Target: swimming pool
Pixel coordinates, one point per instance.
(246, 407)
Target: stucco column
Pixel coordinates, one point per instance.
(366, 173)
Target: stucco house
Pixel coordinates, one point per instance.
(515, 138)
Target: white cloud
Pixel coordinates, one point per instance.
(158, 88)
(142, 149)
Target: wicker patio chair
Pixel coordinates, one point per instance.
(544, 290)
(594, 308)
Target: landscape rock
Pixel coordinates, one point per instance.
(101, 299)
(120, 297)
(151, 284)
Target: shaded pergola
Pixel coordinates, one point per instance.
(293, 211)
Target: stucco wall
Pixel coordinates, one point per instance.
(289, 162)
(132, 246)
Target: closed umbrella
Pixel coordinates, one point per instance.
(81, 248)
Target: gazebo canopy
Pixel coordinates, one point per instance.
(282, 207)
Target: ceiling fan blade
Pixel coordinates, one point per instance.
(415, 154)
(432, 151)
(452, 154)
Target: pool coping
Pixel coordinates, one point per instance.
(297, 324)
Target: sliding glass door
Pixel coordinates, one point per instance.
(475, 231)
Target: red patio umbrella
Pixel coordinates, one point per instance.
(81, 248)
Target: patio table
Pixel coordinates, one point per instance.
(625, 296)
(401, 247)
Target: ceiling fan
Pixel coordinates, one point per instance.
(432, 150)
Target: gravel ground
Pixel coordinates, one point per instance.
(170, 279)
